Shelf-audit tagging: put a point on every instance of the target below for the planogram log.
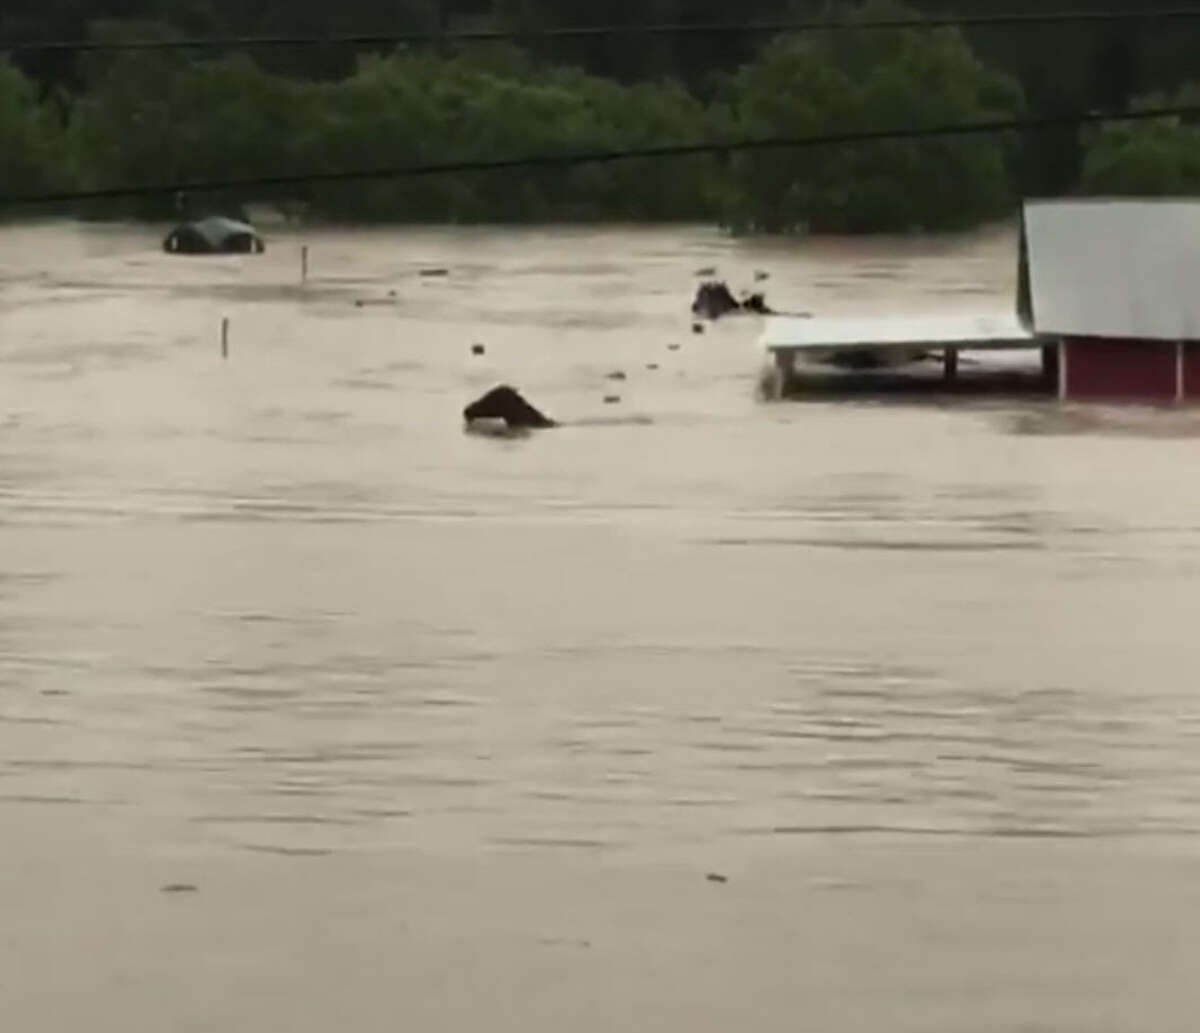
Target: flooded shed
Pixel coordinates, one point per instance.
(1115, 285)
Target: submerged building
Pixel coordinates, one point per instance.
(1114, 285)
(1108, 293)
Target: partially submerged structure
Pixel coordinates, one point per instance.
(213, 235)
(1115, 287)
(1108, 295)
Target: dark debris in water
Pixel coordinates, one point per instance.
(180, 887)
(716, 877)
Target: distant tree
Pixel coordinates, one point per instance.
(33, 157)
(1150, 158)
(870, 80)
(150, 120)
(491, 103)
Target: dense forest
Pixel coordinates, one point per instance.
(91, 119)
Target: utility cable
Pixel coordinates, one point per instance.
(967, 21)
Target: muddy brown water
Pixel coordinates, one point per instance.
(447, 731)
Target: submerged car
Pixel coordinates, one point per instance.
(214, 235)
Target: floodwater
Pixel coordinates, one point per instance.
(441, 731)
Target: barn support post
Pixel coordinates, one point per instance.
(950, 364)
(1179, 385)
(1049, 364)
(784, 361)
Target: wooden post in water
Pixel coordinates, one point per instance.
(950, 364)
(225, 337)
(304, 264)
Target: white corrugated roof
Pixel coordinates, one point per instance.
(1115, 268)
(992, 330)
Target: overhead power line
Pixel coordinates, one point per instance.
(967, 21)
(600, 157)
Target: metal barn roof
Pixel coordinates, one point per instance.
(1114, 268)
(970, 331)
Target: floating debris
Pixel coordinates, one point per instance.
(697, 328)
(616, 375)
(180, 887)
(611, 399)
(434, 271)
(477, 349)
(672, 347)
(708, 270)
(760, 275)
(714, 877)
(651, 365)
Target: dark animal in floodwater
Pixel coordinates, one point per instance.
(714, 300)
(215, 235)
(505, 403)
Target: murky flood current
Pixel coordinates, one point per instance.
(277, 614)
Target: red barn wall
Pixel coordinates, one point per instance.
(1122, 370)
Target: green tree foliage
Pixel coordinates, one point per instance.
(1152, 158)
(147, 120)
(863, 81)
(32, 155)
(144, 117)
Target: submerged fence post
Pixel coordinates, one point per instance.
(225, 337)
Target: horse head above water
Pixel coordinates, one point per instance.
(506, 403)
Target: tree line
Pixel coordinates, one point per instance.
(96, 119)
